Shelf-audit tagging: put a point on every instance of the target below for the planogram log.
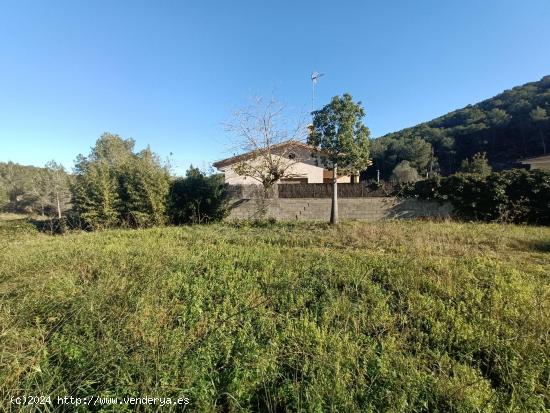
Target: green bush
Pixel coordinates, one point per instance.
(404, 173)
(479, 164)
(197, 198)
(514, 195)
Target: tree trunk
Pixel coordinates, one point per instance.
(58, 205)
(334, 209)
(543, 141)
(522, 134)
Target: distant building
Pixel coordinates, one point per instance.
(538, 162)
(305, 167)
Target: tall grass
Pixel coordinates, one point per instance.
(393, 316)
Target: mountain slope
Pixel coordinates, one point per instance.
(512, 125)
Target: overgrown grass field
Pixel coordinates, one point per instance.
(365, 317)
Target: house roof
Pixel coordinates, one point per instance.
(252, 154)
(541, 158)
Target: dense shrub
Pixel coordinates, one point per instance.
(197, 198)
(515, 195)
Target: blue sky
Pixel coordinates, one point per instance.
(169, 73)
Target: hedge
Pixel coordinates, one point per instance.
(516, 195)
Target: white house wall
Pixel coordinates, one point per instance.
(306, 166)
(305, 156)
(540, 162)
(313, 173)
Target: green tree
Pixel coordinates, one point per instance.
(113, 150)
(340, 135)
(31, 190)
(56, 187)
(539, 116)
(405, 173)
(437, 137)
(95, 194)
(478, 165)
(197, 198)
(145, 187)
(388, 153)
(116, 186)
(3, 195)
(497, 119)
(509, 126)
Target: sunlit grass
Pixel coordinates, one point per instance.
(392, 316)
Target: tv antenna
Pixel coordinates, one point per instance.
(314, 77)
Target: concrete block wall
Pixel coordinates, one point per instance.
(370, 209)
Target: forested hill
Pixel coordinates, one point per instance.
(510, 126)
(31, 189)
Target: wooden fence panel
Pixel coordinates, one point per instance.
(324, 190)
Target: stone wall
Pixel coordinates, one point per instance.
(371, 209)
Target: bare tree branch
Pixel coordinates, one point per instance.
(262, 131)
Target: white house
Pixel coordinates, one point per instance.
(538, 162)
(305, 166)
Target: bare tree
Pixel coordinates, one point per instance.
(269, 142)
(56, 187)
